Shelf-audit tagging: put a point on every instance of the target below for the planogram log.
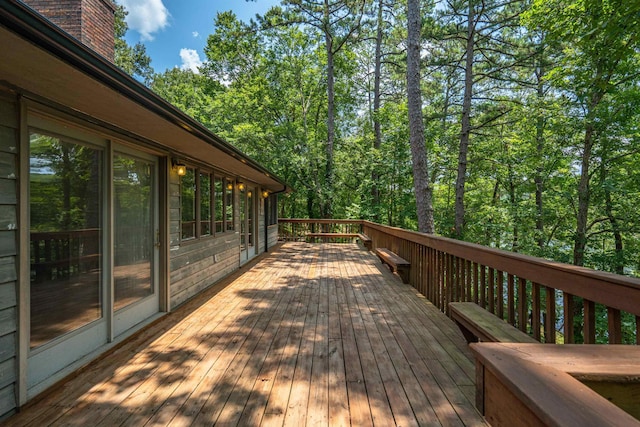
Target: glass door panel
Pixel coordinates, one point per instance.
(134, 229)
(65, 196)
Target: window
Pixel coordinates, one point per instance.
(188, 204)
(272, 209)
(206, 204)
(228, 205)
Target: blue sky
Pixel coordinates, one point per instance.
(175, 31)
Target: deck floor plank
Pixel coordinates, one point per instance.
(312, 334)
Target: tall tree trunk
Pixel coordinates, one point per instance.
(421, 181)
(377, 142)
(618, 262)
(328, 184)
(540, 125)
(583, 197)
(465, 125)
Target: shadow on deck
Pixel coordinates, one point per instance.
(316, 334)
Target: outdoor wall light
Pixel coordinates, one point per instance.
(265, 194)
(179, 167)
(241, 186)
(229, 185)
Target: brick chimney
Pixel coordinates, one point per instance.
(89, 21)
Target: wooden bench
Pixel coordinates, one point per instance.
(396, 263)
(477, 324)
(557, 384)
(366, 241)
(325, 237)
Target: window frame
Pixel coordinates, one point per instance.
(228, 226)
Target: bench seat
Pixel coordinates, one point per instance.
(396, 263)
(557, 384)
(366, 241)
(325, 237)
(477, 324)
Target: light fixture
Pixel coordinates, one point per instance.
(179, 167)
(249, 193)
(241, 186)
(229, 185)
(265, 194)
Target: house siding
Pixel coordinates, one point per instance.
(261, 225)
(8, 254)
(272, 235)
(197, 264)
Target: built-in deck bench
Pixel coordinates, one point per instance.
(396, 263)
(326, 237)
(366, 241)
(557, 385)
(477, 324)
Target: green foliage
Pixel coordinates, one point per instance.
(264, 88)
(132, 59)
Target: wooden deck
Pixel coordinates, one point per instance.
(315, 334)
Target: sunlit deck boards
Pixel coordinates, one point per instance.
(315, 334)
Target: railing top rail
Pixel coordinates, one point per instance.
(320, 221)
(602, 287)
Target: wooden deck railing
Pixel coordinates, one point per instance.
(553, 302)
(299, 229)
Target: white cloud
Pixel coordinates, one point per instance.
(190, 60)
(195, 34)
(146, 16)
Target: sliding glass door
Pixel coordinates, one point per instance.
(94, 247)
(135, 229)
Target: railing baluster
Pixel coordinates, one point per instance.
(614, 321)
(535, 310)
(589, 327)
(483, 286)
(492, 290)
(476, 284)
(460, 273)
(522, 304)
(550, 318)
(468, 281)
(511, 312)
(450, 283)
(568, 309)
(500, 295)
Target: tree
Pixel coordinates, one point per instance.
(599, 59)
(132, 59)
(421, 181)
(338, 21)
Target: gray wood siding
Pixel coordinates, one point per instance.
(261, 223)
(9, 143)
(272, 233)
(197, 264)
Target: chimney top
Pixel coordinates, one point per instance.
(89, 21)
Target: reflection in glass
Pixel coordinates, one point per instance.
(228, 205)
(65, 196)
(250, 217)
(133, 229)
(219, 205)
(243, 225)
(205, 204)
(188, 204)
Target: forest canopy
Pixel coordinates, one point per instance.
(529, 109)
